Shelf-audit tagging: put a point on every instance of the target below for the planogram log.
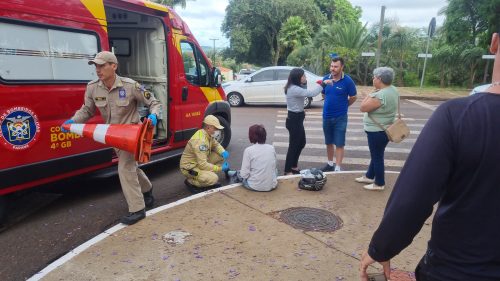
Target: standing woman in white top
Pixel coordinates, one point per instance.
(296, 91)
(258, 169)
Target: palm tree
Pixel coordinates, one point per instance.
(401, 44)
(443, 57)
(471, 57)
(294, 33)
(347, 39)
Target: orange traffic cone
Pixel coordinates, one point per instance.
(136, 139)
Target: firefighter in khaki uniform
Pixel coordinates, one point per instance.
(203, 157)
(117, 99)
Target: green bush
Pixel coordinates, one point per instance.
(410, 79)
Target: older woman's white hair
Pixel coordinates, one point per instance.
(385, 74)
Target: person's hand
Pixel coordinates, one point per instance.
(328, 82)
(153, 119)
(69, 121)
(225, 167)
(366, 260)
(225, 154)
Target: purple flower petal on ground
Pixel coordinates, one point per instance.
(251, 228)
(164, 258)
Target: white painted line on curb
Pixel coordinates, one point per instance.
(73, 253)
(78, 250)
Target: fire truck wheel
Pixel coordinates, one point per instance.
(3, 207)
(225, 134)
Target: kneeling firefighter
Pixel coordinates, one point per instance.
(203, 157)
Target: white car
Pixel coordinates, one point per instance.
(479, 89)
(266, 86)
(244, 73)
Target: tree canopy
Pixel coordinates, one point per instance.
(260, 22)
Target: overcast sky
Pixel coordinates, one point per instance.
(204, 17)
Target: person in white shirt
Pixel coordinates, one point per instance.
(258, 168)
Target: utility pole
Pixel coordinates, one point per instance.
(380, 30)
(213, 55)
(430, 33)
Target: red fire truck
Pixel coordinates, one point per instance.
(44, 49)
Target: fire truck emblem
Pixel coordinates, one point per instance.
(19, 128)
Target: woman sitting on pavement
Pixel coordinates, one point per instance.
(381, 106)
(258, 168)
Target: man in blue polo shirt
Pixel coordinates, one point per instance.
(340, 93)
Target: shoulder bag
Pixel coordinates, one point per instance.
(396, 132)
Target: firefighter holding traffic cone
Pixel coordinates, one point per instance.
(117, 99)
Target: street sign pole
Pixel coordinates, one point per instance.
(425, 62)
(213, 55)
(430, 33)
(380, 30)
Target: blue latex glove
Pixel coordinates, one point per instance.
(225, 167)
(225, 154)
(153, 119)
(69, 121)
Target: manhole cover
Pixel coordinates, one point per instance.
(311, 219)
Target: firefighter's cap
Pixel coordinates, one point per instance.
(212, 120)
(104, 57)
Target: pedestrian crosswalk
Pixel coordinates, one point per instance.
(357, 154)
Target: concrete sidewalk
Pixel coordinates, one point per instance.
(232, 233)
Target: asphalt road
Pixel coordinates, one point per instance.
(45, 223)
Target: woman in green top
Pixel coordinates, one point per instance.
(381, 106)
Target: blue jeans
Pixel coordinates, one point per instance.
(377, 141)
(334, 130)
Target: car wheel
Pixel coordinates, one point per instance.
(225, 134)
(235, 99)
(307, 102)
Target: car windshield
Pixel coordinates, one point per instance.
(246, 71)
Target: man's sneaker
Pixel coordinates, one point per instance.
(373, 186)
(134, 217)
(149, 199)
(328, 168)
(338, 169)
(364, 179)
